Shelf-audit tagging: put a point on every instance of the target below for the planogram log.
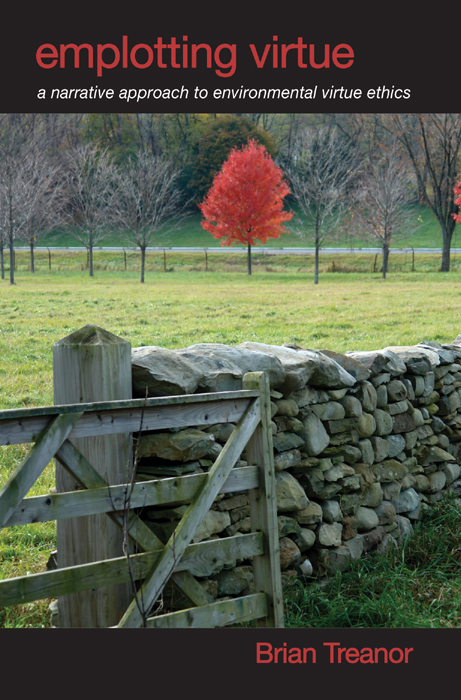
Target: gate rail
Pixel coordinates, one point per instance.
(51, 430)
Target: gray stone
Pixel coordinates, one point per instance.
(305, 568)
(342, 426)
(331, 511)
(381, 396)
(391, 490)
(389, 470)
(407, 501)
(287, 407)
(220, 431)
(395, 365)
(234, 581)
(446, 355)
(386, 513)
(213, 522)
(384, 423)
(303, 366)
(287, 441)
(350, 483)
(290, 495)
(338, 471)
(373, 495)
(366, 394)
(366, 519)
(396, 445)
(396, 390)
(418, 384)
(247, 360)
(305, 396)
(183, 446)
(287, 526)
(403, 530)
(422, 483)
(366, 424)
(332, 410)
(368, 454)
(314, 435)
(352, 406)
(429, 454)
(304, 539)
(162, 372)
(329, 534)
(437, 481)
(310, 515)
(355, 368)
(355, 546)
(375, 362)
(419, 360)
(219, 374)
(372, 538)
(452, 472)
(287, 460)
(340, 559)
(380, 448)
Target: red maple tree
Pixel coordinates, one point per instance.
(245, 202)
(457, 191)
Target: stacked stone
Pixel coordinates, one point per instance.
(361, 442)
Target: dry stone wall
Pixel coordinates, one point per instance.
(363, 442)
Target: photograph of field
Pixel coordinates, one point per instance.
(369, 272)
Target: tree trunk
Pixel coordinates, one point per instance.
(249, 259)
(32, 265)
(11, 261)
(143, 262)
(385, 259)
(90, 260)
(2, 262)
(446, 245)
(317, 254)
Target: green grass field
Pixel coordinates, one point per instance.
(346, 311)
(426, 235)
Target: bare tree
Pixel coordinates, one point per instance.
(90, 183)
(25, 188)
(49, 198)
(147, 201)
(380, 205)
(433, 143)
(321, 170)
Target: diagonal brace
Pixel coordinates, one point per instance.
(194, 514)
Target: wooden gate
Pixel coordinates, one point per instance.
(51, 430)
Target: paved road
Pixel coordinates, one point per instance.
(257, 250)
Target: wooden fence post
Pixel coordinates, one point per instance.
(263, 508)
(93, 365)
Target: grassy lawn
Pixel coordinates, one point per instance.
(426, 235)
(346, 311)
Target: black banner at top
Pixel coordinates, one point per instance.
(229, 57)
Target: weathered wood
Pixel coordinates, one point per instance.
(263, 509)
(97, 406)
(194, 514)
(121, 417)
(52, 584)
(219, 614)
(85, 475)
(172, 491)
(93, 365)
(40, 455)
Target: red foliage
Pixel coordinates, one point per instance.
(245, 202)
(457, 190)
